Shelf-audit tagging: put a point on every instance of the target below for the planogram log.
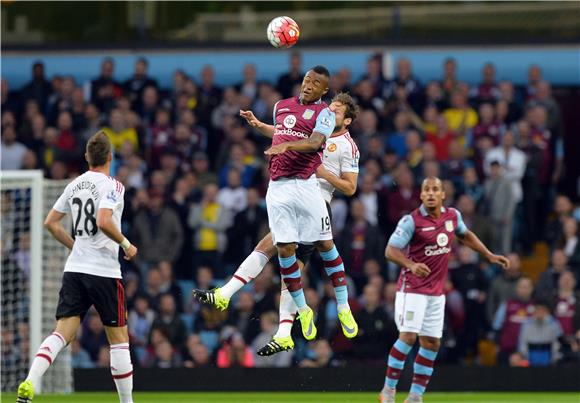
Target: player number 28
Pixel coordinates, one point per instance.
(90, 220)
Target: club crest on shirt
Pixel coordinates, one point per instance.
(449, 225)
(308, 113)
(290, 121)
(442, 240)
(331, 148)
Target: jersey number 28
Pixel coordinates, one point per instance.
(90, 224)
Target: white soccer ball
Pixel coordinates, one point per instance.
(283, 32)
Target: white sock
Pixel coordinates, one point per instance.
(288, 311)
(248, 270)
(122, 371)
(45, 356)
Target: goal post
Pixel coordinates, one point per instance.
(32, 265)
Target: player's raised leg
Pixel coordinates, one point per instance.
(250, 268)
(282, 340)
(335, 270)
(64, 333)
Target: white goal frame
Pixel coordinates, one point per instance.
(36, 227)
(47, 260)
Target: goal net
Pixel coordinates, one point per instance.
(31, 271)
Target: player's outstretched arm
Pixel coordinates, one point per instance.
(471, 240)
(309, 145)
(106, 224)
(54, 225)
(265, 129)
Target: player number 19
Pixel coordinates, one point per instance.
(325, 221)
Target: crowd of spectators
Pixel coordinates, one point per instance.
(196, 177)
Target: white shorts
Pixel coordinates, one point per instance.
(297, 212)
(421, 314)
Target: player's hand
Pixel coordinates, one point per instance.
(499, 260)
(250, 118)
(277, 149)
(420, 270)
(130, 252)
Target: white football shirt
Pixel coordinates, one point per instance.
(340, 155)
(93, 252)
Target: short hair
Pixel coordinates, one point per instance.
(98, 149)
(352, 108)
(321, 70)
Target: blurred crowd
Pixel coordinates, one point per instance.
(195, 178)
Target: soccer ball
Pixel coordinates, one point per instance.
(283, 32)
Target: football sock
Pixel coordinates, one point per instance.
(122, 371)
(248, 270)
(396, 363)
(291, 277)
(335, 270)
(422, 370)
(45, 356)
(288, 310)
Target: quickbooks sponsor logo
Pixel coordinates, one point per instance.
(433, 250)
(288, 132)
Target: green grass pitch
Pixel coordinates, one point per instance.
(267, 397)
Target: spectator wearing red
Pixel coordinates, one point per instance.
(441, 139)
(567, 304)
(234, 351)
(511, 315)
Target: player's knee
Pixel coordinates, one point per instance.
(266, 246)
(430, 343)
(408, 338)
(286, 249)
(323, 246)
(117, 335)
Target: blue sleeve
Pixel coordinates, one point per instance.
(274, 113)
(461, 227)
(499, 317)
(403, 233)
(325, 122)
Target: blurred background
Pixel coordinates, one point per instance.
(446, 89)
